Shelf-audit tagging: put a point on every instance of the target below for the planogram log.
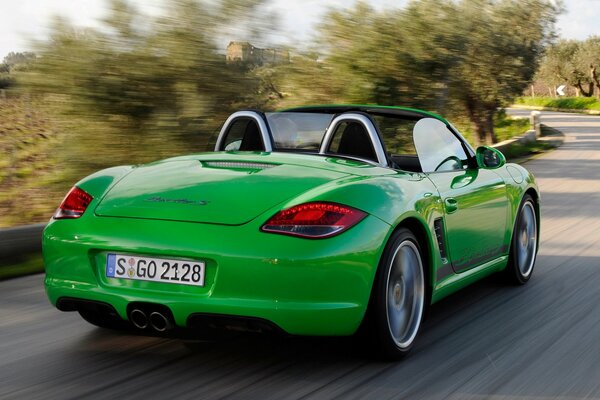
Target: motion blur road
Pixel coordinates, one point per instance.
(539, 341)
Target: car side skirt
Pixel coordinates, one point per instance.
(456, 282)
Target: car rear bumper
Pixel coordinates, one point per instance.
(305, 287)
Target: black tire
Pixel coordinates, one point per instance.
(103, 320)
(524, 243)
(395, 292)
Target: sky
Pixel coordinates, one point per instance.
(24, 20)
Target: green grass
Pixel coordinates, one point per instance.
(567, 103)
(25, 265)
(507, 128)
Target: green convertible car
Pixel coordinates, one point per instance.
(312, 221)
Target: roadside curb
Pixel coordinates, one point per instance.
(23, 239)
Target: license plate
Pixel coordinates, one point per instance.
(183, 272)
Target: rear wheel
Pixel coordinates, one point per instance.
(399, 297)
(524, 244)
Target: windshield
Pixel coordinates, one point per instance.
(298, 131)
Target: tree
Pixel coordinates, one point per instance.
(586, 62)
(5, 79)
(468, 57)
(503, 42)
(12, 63)
(15, 60)
(141, 87)
(573, 62)
(556, 66)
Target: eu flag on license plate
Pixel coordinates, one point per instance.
(111, 260)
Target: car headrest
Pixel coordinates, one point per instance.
(252, 140)
(355, 142)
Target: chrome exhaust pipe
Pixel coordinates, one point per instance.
(159, 322)
(138, 318)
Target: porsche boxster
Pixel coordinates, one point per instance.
(311, 221)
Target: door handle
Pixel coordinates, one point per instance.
(451, 205)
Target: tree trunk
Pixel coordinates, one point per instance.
(595, 79)
(585, 93)
(482, 120)
(489, 127)
(483, 125)
(479, 129)
(475, 120)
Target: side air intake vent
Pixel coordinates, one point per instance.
(438, 225)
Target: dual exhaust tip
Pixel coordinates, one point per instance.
(156, 320)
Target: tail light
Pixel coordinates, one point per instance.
(74, 204)
(314, 220)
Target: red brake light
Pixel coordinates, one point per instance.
(74, 204)
(314, 220)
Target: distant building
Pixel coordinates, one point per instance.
(245, 52)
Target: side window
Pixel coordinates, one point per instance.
(437, 147)
(243, 134)
(352, 139)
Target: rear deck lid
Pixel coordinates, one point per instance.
(211, 191)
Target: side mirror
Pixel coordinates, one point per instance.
(490, 158)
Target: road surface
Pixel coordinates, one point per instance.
(540, 341)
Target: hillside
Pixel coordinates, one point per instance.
(29, 174)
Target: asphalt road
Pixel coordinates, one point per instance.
(489, 341)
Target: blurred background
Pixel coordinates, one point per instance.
(97, 83)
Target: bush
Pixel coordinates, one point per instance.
(568, 103)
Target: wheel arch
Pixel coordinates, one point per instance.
(418, 228)
(536, 203)
(512, 270)
(423, 235)
(536, 198)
